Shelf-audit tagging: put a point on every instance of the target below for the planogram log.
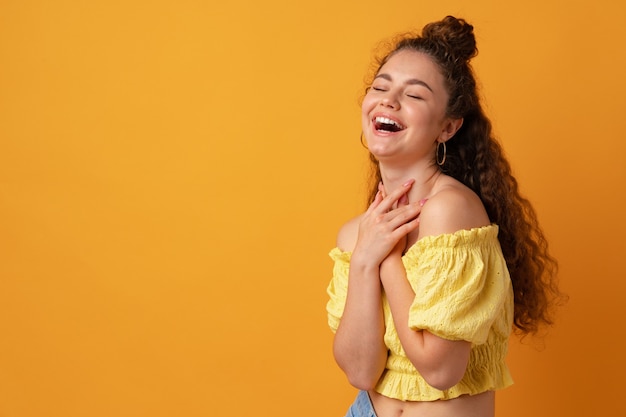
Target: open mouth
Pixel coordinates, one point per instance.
(385, 124)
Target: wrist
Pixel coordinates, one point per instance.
(362, 263)
(368, 255)
(392, 261)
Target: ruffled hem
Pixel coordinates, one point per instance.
(473, 236)
(337, 254)
(412, 387)
(486, 371)
(485, 235)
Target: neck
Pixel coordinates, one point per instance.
(425, 179)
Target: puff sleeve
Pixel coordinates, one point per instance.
(338, 288)
(461, 283)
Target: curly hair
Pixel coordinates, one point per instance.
(475, 158)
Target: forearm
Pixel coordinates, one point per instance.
(400, 296)
(358, 346)
(441, 362)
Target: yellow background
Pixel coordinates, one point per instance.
(173, 173)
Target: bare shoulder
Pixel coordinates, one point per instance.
(348, 233)
(452, 207)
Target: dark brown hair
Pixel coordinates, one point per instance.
(475, 158)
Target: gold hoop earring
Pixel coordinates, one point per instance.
(441, 161)
(363, 143)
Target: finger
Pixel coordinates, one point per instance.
(393, 197)
(404, 229)
(404, 214)
(381, 188)
(377, 199)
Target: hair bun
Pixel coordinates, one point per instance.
(455, 34)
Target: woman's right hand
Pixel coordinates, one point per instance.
(387, 220)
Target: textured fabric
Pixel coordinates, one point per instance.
(362, 406)
(462, 292)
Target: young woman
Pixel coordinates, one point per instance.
(430, 280)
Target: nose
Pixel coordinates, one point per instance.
(389, 100)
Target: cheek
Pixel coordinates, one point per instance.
(364, 113)
(367, 105)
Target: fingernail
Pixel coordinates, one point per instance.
(409, 182)
(423, 201)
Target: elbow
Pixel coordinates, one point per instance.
(442, 384)
(363, 371)
(444, 365)
(360, 375)
(443, 380)
(362, 381)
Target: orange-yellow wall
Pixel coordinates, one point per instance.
(173, 173)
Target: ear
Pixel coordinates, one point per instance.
(450, 128)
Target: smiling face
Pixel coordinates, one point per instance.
(404, 111)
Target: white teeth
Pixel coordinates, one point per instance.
(387, 121)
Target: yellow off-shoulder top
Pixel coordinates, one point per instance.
(462, 292)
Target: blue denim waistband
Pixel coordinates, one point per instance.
(362, 406)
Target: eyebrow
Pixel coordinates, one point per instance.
(411, 81)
